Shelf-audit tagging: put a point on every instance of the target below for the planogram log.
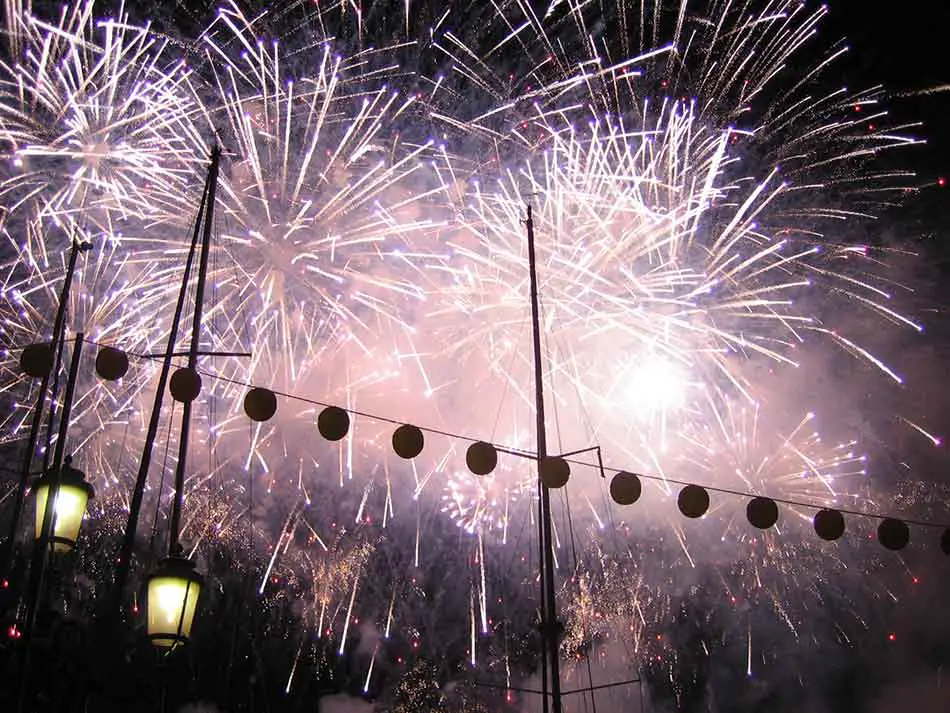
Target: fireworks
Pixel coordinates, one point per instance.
(692, 197)
(317, 190)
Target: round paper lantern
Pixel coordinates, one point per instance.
(111, 363)
(625, 488)
(185, 385)
(408, 441)
(555, 472)
(36, 360)
(693, 501)
(260, 404)
(829, 524)
(333, 423)
(762, 512)
(893, 534)
(481, 458)
(945, 541)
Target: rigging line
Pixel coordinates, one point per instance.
(125, 439)
(590, 682)
(527, 454)
(54, 390)
(212, 402)
(507, 382)
(591, 435)
(550, 385)
(161, 482)
(566, 499)
(517, 546)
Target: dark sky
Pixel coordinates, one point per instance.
(904, 46)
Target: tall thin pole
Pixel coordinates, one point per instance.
(41, 548)
(128, 541)
(193, 352)
(550, 629)
(58, 323)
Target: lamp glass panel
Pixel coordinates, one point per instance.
(69, 510)
(171, 609)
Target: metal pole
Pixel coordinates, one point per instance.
(51, 417)
(135, 506)
(41, 548)
(549, 623)
(193, 352)
(58, 325)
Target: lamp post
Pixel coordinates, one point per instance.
(173, 587)
(37, 360)
(59, 493)
(124, 559)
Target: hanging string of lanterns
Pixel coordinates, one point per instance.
(408, 441)
(693, 501)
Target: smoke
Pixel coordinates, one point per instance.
(617, 684)
(199, 707)
(928, 694)
(342, 703)
(369, 640)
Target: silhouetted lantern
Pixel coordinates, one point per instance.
(408, 441)
(111, 363)
(555, 472)
(829, 524)
(625, 488)
(693, 501)
(945, 541)
(893, 534)
(185, 385)
(260, 404)
(762, 512)
(333, 423)
(481, 458)
(36, 360)
(69, 504)
(172, 598)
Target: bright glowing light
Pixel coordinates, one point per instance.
(652, 386)
(173, 592)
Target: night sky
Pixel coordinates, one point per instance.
(904, 47)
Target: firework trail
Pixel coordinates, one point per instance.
(331, 244)
(95, 149)
(318, 194)
(92, 125)
(657, 280)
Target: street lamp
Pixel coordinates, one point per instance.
(174, 586)
(37, 361)
(173, 590)
(71, 495)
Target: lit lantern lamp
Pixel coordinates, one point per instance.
(173, 590)
(69, 508)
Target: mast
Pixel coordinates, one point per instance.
(175, 525)
(125, 551)
(550, 626)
